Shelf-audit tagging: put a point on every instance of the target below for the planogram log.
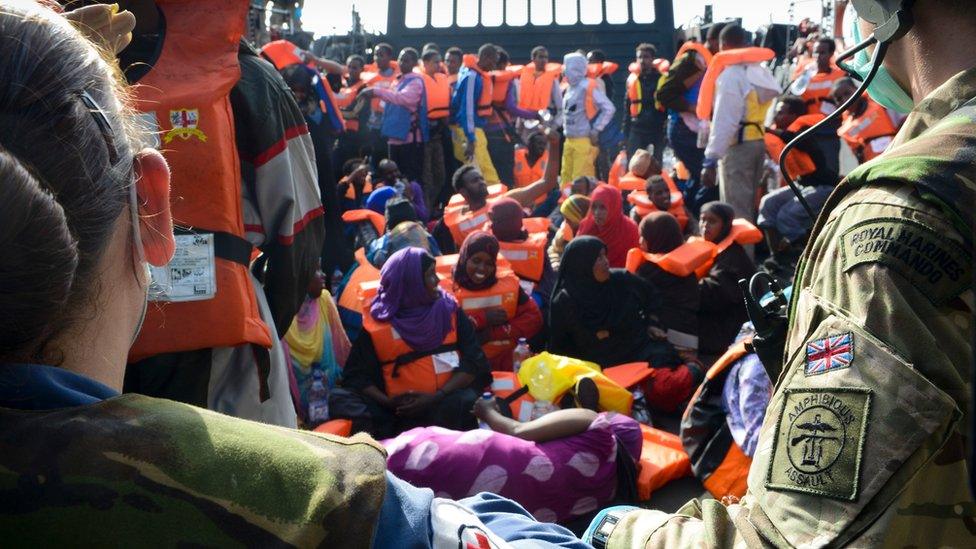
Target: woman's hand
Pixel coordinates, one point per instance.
(412, 404)
(484, 407)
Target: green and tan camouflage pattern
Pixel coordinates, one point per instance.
(135, 471)
(909, 379)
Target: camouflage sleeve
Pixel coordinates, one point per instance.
(862, 442)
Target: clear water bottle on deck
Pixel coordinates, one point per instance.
(520, 353)
(487, 395)
(639, 410)
(318, 399)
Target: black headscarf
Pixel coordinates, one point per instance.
(724, 211)
(600, 305)
(399, 210)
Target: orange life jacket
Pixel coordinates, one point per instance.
(457, 202)
(500, 81)
(187, 93)
(699, 48)
(720, 61)
(360, 216)
(617, 169)
(438, 95)
(503, 295)
(566, 232)
(868, 135)
(407, 370)
(715, 457)
(487, 91)
(535, 92)
(597, 70)
(367, 187)
(347, 98)
(798, 163)
(527, 174)
(588, 103)
(643, 206)
(681, 261)
(818, 89)
(527, 257)
(662, 460)
(743, 232)
(631, 182)
(462, 222)
(365, 272)
(371, 74)
(503, 385)
(283, 53)
(635, 91)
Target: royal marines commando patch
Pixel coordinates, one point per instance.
(819, 438)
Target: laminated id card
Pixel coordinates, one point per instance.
(190, 275)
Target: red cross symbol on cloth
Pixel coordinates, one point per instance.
(482, 540)
(185, 119)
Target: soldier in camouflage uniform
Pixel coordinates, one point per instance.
(863, 442)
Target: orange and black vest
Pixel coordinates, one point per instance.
(715, 457)
(351, 192)
(462, 221)
(798, 163)
(371, 74)
(535, 90)
(187, 93)
(643, 205)
(438, 95)
(346, 101)
(818, 90)
(635, 91)
(366, 216)
(868, 135)
(681, 261)
(743, 232)
(525, 173)
(514, 400)
(529, 256)
(405, 369)
(503, 295)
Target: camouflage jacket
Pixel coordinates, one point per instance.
(863, 442)
(134, 471)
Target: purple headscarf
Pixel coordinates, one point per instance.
(402, 300)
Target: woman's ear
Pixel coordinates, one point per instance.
(155, 218)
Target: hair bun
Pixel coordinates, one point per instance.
(38, 260)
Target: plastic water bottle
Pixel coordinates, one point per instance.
(639, 409)
(400, 186)
(318, 399)
(487, 395)
(520, 354)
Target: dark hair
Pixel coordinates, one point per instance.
(66, 155)
(430, 46)
(488, 49)
(457, 180)
(411, 52)
(645, 47)
(733, 35)
(350, 165)
(383, 46)
(356, 57)
(454, 50)
(502, 55)
(831, 45)
(429, 54)
(599, 56)
(796, 105)
(655, 179)
(715, 31)
(539, 49)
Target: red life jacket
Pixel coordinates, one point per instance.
(868, 135)
(743, 232)
(681, 261)
(715, 457)
(438, 95)
(798, 163)
(187, 93)
(535, 91)
(405, 369)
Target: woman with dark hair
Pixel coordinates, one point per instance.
(418, 360)
(476, 271)
(606, 221)
(722, 311)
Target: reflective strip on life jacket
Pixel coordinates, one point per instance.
(719, 63)
(635, 93)
(502, 295)
(503, 385)
(438, 96)
(360, 216)
(457, 201)
(743, 232)
(681, 261)
(705, 435)
(461, 222)
(402, 370)
(526, 257)
(869, 134)
(818, 89)
(535, 92)
(187, 94)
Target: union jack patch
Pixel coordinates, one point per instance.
(830, 353)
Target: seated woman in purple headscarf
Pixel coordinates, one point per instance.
(559, 467)
(418, 360)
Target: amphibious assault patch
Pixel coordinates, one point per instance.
(819, 438)
(938, 267)
(830, 353)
